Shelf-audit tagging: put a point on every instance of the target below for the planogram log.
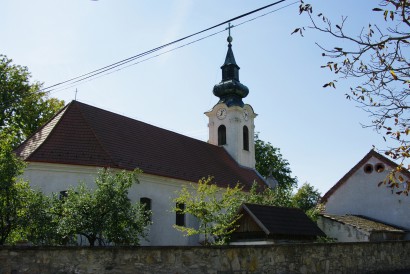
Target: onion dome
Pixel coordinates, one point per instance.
(230, 90)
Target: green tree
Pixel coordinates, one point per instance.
(269, 161)
(314, 212)
(36, 220)
(215, 208)
(306, 198)
(24, 213)
(278, 196)
(10, 204)
(377, 58)
(23, 106)
(105, 215)
(39, 222)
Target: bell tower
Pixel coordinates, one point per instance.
(231, 122)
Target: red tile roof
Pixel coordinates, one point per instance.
(359, 165)
(81, 134)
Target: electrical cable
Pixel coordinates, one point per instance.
(133, 64)
(75, 83)
(132, 58)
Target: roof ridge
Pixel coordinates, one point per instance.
(151, 125)
(173, 132)
(264, 205)
(95, 135)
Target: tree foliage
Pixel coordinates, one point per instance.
(377, 58)
(24, 212)
(278, 196)
(36, 220)
(215, 208)
(269, 161)
(10, 190)
(23, 106)
(306, 198)
(105, 215)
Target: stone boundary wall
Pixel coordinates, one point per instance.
(383, 257)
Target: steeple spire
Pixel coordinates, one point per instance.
(230, 91)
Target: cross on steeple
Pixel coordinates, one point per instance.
(229, 32)
(230, 90)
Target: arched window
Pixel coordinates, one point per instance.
(180, 216)
(245, 138)
(221, 135)
(146, 202)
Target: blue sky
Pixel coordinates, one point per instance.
(317, 130)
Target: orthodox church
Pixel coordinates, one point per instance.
(81, 139)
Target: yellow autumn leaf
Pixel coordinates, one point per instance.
(393, 74)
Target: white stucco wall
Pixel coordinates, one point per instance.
(341, 232)
(360, 195)
(53, 178)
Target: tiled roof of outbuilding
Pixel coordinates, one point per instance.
(364, 223)
(275, 220)
(81, 134)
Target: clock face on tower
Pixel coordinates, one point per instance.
(221, 113)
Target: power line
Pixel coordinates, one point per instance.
(140, 55)
(73, 84)
(76, 83)
(267, 13)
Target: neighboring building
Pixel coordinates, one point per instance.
(81, 139)
(352, 228)
(261, 224)
(362, 192)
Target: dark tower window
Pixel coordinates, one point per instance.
(245, 138)
(180, 217)
(221, 135)
(146, 202)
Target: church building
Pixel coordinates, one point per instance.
(81, 139)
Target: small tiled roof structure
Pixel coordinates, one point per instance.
(364, 223)
(81, 134)
(272, 222)
(360, 164)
